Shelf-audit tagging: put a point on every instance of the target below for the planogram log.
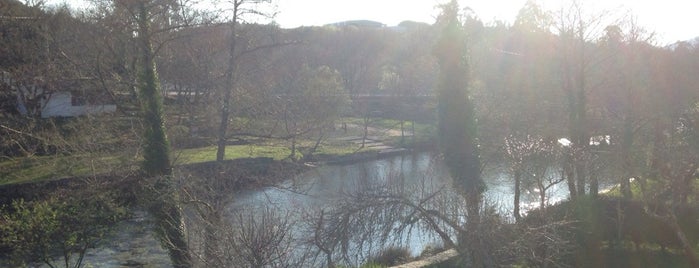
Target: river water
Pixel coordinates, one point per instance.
(133, 244)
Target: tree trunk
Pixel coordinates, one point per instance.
(474, 243)
(542, 195)
(570, 178)
(292, 156)
(329, 259)
(582, 136)
(626, 144)
(223, 127)
(402, 132)
(309, 154)
(594, 185)
(366, 131)
(229, 85)
(542, 200)
(412, 130)
(580, 174)
(171, 231)
(518, 178)
(686, 245)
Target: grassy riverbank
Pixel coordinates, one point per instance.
(342, 142)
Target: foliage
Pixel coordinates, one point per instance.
(159, 197)
(60, 227)
(322, 92)
(390, 256)
(602, 230)
(457, 129)
(457, 120)
(156, 147)
(146, 15)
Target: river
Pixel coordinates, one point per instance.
(133, 244)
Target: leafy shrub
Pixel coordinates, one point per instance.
(391, 256)
(65, 226)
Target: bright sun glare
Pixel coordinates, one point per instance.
(670, 20)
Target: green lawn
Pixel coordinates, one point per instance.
(40, 168)
(33, 169)
(651, 184)
(205, 154)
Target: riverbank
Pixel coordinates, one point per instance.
(245, 173)
(225, 178)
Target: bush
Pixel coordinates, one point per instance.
(391, 256)
(431, 250)
(65, 226)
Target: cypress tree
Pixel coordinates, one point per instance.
(457, 127)
(156, 148)
(456, 113)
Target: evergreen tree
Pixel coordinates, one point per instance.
(156, 147)
(457, 126)
(457, 121)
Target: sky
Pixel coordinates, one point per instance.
(671, 20)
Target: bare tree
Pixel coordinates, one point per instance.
(264, 238)
(239, 11)
(543, 244)
(531, 159)
(223, 233)
(384, 212)
(364, 221)
(577, 30)
(310, 104)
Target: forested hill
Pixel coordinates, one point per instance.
(523, 75)
(523, 60)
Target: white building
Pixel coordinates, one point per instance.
(32, 100)
(60, 104)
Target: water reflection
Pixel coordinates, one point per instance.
(315, 205)
(416, 176)
(326, 184)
